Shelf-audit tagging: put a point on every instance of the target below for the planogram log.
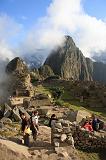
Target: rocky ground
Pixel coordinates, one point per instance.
(11, 146)
(68, 105)
(39, 150)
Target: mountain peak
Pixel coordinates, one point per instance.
(68, 61)
(17, 64)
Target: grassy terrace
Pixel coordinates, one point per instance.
(67, 99)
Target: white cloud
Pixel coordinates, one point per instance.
(68, 17)
(63, 17)
(5, 51)
(9, 30)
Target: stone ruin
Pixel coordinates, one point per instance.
(61, 133)
(86, 140)
(19, 78)
(22, 85)
(65, 133)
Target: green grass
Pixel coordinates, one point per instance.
(40, 89)
(67, 99)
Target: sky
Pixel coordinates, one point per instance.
(27, 26)
(25, 12)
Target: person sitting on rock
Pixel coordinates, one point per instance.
(95, 123)
(88, 126)
(52, 120)
(34, 124)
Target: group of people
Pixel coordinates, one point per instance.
(29, 125)
(93, 124)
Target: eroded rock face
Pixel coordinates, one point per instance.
(45, 71)
(69, 62)
(19, 78)
(17, 64)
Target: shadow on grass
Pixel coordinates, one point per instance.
(92, 154)
(100, 111)
(67, 99)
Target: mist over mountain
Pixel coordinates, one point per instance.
(34, 60)
(70, 63)
(100, 58)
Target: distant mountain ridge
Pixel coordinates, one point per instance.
(34, 60)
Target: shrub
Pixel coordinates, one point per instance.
(57, 92)
(59, 102)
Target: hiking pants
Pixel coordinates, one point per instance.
(26, 139)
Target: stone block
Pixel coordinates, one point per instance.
(63, 137)
(58, 125)
(66, 130)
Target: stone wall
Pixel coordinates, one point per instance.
(86, 140)
(64, 133)
(61, 133)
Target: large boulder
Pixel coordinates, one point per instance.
(77, 115)
(22, 110)
(7, 111)
(5, 120)
(13, 151)
(16, 114)
(40, 100)
(44, 110)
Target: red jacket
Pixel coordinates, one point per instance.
(88, 127)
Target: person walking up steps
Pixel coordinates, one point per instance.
(34, 124)
(25, 127)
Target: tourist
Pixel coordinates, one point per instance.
(52, 120)
(88, 126)
(34, 124)
(52, 125)
(27, 132)
(95, 123)
(25, 127)
(23, 122)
